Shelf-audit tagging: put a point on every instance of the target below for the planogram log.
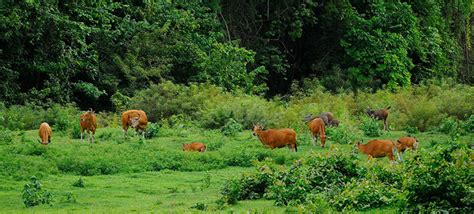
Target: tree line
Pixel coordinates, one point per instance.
(89, 51)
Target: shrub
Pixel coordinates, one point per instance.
(363, 195)
(34, 195)
(340, 134)
(79, 183)
(231, 128)
(450, 126)
(152, 130)
(6, 136)
(199, 206)
(370, 127)
(251, 186)
(468, 125)
(439, 180)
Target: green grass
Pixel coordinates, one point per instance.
(127, 175)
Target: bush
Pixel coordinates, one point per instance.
(152, 130)
(363, 195)
(231, 128)
(79, 183)
(450, 126)
(6, 136)
(251, 186)
(439, 180)
(340, 134)
(468, 125)
(370, 127)
(34, 195)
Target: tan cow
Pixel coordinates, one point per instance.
(45, 133)
(137, 119)
(276, 138)
(88, 123)
(194, 146)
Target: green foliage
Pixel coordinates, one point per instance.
(450, 127)
(152, 130)
(6, 136)
(231, 128)
(79, 183)
(34, 195)
(200, 206)
(439, 179)
(340, 134)
(370, 127)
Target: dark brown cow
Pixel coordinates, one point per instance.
(380, 114)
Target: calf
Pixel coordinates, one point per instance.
(89, 123)
(317, 127)
(378, 148)
(407, 143)
(380, 114)
(137, 119)
(45, 133)
(276, 138)
(194, 146)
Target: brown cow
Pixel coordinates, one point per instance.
(327, 117)
(276, 138)
(194, 146)
(380, 114)
(378, 148)
(137, 119)
(45, 133)
(317, 127)
(89, 123)
(407, 143)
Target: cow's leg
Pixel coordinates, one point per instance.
(125, 132)
(385, 126)
(82, 133)
(93, 138)
(313, 139)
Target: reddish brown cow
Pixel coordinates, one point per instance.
(378, 148)
(89, 123)
(45, 133)
(276, 138)
(317, 127)
(137, 119)
(380, 114)
(407, 143)
(194, 146)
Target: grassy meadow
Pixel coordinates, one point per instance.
(122, 175)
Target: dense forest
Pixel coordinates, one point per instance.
(90, 52)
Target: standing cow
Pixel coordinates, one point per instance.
(88, 123)
(380, 114)
(137, 119)
(317, 127)
(276, 138)
(45, 133)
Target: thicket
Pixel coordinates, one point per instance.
(93, 53)
(428, 181)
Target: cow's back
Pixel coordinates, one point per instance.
(407, 142)
(316, 125)
(379, 148)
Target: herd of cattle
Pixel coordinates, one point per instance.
(272, 138)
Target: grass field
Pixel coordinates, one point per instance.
(132, 175)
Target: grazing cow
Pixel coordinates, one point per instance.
(380, 114)
(317, 127)
(89, 123)
(276, 138)
(194, 146)
(45, 133)
(407, 143)
(137, 119)
(379, 148)
(327, 117)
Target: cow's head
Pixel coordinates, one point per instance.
(369, 111)
(87, 115)
(185, 146)
(307, 118)
(134, 121)
(256, 127)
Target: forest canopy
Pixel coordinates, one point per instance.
(87, 52)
